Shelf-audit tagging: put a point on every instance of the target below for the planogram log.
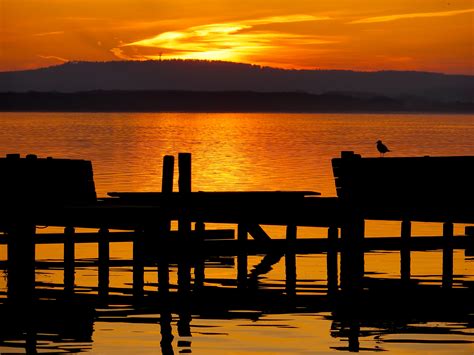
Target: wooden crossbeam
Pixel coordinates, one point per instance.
(257, 232)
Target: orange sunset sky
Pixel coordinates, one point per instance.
(427, 35)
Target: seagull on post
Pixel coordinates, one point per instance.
(382, 148)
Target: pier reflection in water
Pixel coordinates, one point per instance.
(187, 310)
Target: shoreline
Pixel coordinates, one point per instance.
(222, 102)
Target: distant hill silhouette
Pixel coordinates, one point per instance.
(218, 101)
(225, 76)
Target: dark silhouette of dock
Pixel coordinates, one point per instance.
(60, 192)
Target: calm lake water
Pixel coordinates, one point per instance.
(245, 152)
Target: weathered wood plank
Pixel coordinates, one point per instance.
(117, 237)
(407, 188)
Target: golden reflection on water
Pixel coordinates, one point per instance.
(230, 151)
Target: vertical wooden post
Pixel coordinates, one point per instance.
(168, 172)
(469, 231)
(104, 262)
(138, 264)
(184, 223)
(352, 254)
(331, 262)
(405, 257)
(163, 276)
(184, 167)
(69, 259)
(448, 232)
(290, 261)
(184, 183)
(242, 263)
(164, 228)
(199, 267)
(291, 233)
(21, 262)
(163, 260)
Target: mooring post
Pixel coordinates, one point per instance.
(290, 260)
(138, 263)
(199, 267)
(331, 262)
(104, 261)
(21, 262)
(242, 264)
(184, 222)
(405, 253)
(69, 259)
(448, 233)
(352, 254)
(163, 260)
(184, 185)
(168, 174)
(164, 228)
(352, 229)
(163, 275)
(184, 167)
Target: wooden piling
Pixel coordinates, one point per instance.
(405, 255)
(163, 276)
(184, 185)
(331, 262)
(184, 167)
(184, 276)
(163, 229)
(184, 224)
(69, 259)
(138, 263)
(104, 262)
(291, 232)
(163, 234)
(242, 262)
(199, 266)
(21, 262)
(352, 254)
(290, 261)
(448, 233)
(168, 172)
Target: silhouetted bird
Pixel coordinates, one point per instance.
(382, 148)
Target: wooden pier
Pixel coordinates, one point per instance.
(59, 192)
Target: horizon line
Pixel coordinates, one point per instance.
(69, 62)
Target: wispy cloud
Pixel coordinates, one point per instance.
(411, 16)
(48, 33)
(53, 57)
(120, 54)
(221, 41)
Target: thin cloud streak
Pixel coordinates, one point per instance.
(53, 57)
(411, 16)
(52, 33)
